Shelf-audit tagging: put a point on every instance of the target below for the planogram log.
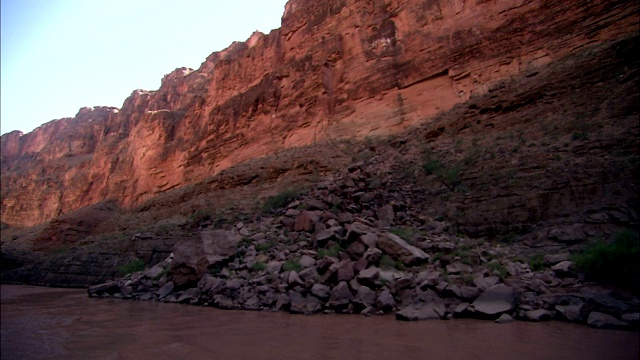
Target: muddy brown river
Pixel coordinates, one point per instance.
(46, 323)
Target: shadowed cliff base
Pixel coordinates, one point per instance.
(513, 189)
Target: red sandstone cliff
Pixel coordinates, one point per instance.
(340, 68)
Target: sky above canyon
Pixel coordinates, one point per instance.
(59, 56)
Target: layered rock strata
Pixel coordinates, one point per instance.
(339, 68)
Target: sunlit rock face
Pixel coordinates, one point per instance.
(335, 69)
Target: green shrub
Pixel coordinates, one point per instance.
(333, 251)
(131, 267)
(386, 262)
(290, 265)
(258, 266)
(615, 263)
(160, 275)
(496, 267)
(536, 262)
(431, 165)
(280, 200)
(264, 247)
(437, 256)
(406, 233)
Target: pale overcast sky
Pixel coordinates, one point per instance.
(61, 55)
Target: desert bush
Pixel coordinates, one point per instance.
(279, 200)
(536, 262)
(405, 232)
(333, 251)
(131, 267)
(617, 262)
(497, 268)
(290, 265)
(264, 247)
(258, 266)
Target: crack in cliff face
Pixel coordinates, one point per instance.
(336, 69)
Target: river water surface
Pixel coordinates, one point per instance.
(46, 323)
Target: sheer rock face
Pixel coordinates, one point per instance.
(334, 69)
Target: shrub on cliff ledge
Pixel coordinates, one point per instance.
(131, 267)
(280, 200)
(614, 263)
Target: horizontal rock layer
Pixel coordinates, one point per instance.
(339, 68)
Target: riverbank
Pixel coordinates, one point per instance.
(315, 261)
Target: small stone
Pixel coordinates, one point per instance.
(505, 318)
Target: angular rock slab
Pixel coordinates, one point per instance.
(192, 258)
(496, 300)
(422, 311)
(399, 249)
(605, 321)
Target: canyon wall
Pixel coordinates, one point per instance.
(335, 69)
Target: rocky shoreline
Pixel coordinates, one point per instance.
(308, 258)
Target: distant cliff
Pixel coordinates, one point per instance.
(335, 69)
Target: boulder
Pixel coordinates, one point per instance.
(372, 255)
(539, 315)
(400, 250)
(165, 290)
(155, 272)
(385, 301)
(461, 309)
(323, 237)
(224, 302)
(274, 267)
(306, 221)
(422, 311)
(552, 259)
(605, 321)
(485, 282)
(369, 276)
(385, 216)
(340, 296)
(468, 293)
(496, 300)
(193, 258)
(108, 288)
(356, 250)
(428, 279)
(306, 261)
(632, 319)
(563, 269)
(457, 268)
(345, 270)
(571, 312)
(357, 230)
(320, 291)
(365, 297)
(210, 284)
(303, 305)
(369, 239)
(294, 279)
(504, 319)
(189, 296)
